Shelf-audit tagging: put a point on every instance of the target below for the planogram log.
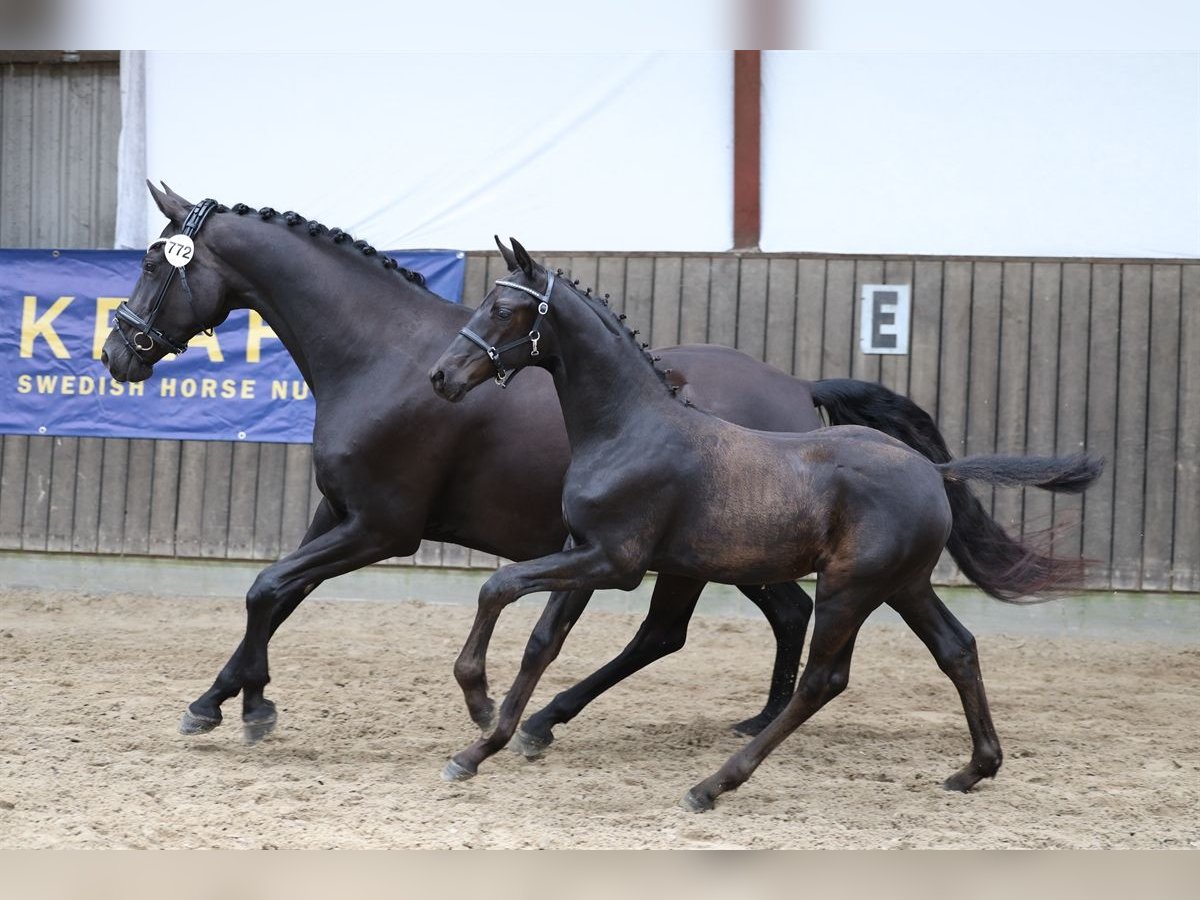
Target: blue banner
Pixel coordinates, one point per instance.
(239, 384)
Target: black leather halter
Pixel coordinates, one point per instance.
(493, 352)
(145, 327)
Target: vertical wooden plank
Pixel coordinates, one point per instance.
(268, 501)
(752, 307)
(477, 559)
(958, 281)
(60, 518)
(294, 515)
(110, 537)
(723, 301)
(664, 316)
(584, 270)
(243, 484)
(639, 293)
(694, 300)
(454, 556)
(810, 319)
(865, 366)
(1103, 357)
(214, 512)
(893, 368)
(610, 279)
(1162, 416)
(781, 313)
(839, 319)
(1041, 405)
(164, 500)
(89, 479)
(15, 449)
(1185, 565)
(1130, 464)
(1012, 383)
(982, 389)
(39, 467)
(926, 336)
(189, 512)
(429, 554)
(1072, 398)
(138, 488)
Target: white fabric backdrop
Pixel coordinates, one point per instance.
(1079, 154)
(595, 151)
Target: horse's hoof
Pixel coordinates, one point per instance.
(190, 723)
(693, 802)
(962, 782)
(752, 726)
(528, 745)
(456, 772)
(260, 724)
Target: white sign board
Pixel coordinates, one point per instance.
(886, 312)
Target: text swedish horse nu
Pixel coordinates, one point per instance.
(656, 485)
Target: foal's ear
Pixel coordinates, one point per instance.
(169, 203)
(509, 259)
(523, 259)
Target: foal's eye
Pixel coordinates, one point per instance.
(502, 312)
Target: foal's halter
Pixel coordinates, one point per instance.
(493, 352)
(145, 331)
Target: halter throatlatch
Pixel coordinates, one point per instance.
(493, 352)
(146, 337)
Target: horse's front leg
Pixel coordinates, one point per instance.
(579, 570)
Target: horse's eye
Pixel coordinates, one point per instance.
(502, 312)
(148, 268)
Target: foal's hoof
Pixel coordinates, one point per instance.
(190, 723)
(259, 723)
(696, 803)
(456, 772)
(528, 745)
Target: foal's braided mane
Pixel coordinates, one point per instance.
(600, 306)
(316, 229)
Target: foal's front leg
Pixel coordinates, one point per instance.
(580, 570)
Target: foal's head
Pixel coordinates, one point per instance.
(180, 292)
(506, 333)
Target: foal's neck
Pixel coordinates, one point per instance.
(602, 375)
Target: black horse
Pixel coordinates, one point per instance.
(656, 485)
(396, 465)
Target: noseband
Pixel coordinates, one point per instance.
(493, 352)
(145, 331)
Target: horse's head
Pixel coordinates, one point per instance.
(504, 335)
(179, 294)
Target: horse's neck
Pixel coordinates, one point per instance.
(601, 376)
(333, 311)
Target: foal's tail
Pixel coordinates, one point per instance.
(984, 551)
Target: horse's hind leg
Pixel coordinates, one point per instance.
(787, 609)
(663, 631)
(954, 649)
(204, 713)
(839, 616)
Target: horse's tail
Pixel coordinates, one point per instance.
(1003, 567)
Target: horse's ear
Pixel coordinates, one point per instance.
(523, 260)
(509, 259)
(169, 203)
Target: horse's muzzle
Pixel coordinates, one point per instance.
(452, 391)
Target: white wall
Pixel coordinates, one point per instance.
(595, 151)
(1081, 154)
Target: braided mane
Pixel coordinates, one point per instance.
(600, 306)
(316, 230)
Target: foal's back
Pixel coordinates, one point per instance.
(765, 506)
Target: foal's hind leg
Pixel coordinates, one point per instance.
(787, 608)
(663, 631)
(839, 616)
(954, 649)
(204, 713)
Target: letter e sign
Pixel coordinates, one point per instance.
(885, 316)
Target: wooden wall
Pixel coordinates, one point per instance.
(1010, 356)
